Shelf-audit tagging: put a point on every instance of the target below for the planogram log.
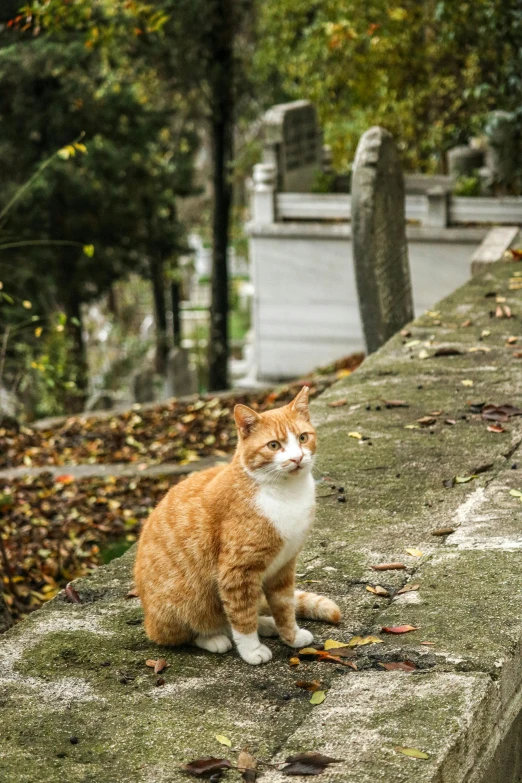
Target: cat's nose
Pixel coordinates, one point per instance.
(297, 460)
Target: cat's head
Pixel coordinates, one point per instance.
(276, 445)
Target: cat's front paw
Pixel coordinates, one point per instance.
(250, 648)
(302, 638)
(259, 655)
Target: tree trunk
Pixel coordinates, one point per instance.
(175, 296)
(221, 127)
(74, 327)
(160, 314)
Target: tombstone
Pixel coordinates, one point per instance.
(463, 161)
(501, 152)
(379, 238)
(293, 144)
(144, 386)
(181, 378)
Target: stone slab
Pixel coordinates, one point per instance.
(77, 670)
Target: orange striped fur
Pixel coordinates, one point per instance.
(223, 543)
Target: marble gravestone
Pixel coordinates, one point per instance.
(379, 238)
(293, 144)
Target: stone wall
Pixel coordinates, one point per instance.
(78, 704)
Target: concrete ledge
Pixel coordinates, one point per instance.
(77, 670)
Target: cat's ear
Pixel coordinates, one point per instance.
(246, 419)
(300, 403)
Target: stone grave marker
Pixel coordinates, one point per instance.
(293, 144)
(379, 238)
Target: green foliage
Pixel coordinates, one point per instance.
(429, 72)
(467, 186)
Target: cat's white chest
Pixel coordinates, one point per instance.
(289, 508)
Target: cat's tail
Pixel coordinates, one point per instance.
(316, 607)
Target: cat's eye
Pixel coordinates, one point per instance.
(274, 445)
(303, 437)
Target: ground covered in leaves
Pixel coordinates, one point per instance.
(57, 528)
(178, 431)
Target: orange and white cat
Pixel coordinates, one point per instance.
(222, 545)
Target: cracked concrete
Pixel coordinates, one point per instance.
(462, 706)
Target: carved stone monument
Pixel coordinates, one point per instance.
(293, 144)
(379, 238)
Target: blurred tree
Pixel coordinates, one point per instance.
(117, 193)
(428, 71)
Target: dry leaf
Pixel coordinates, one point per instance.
(356, 435)
(247, 765)
(318, 697)
(465, 479)
(294, 661)
(308, 763)
(430, 644)
(443, 531)
(72, 594)
(516, 493)
(413, 552)
(427, 421)
(309, 685)
(338, 403)
(411, 427)
(160, 665)
(511, 340)
(401, 666)
(150, 663)
(396, 404)
(206, 767)
(450, 421)
(409, 588)
(467, 382)
(485, 333)
(466, 323)
(377, 590)
(413, 752)
(479, 349)
(496, 428)
(448, 351)
(223, 740)
(332, 644)
(399, 628)
(388, 567)
(424, 354)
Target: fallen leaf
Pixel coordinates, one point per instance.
(72, 595)
(338, 403)
(399, 628)
(467, 382)
(479, 349)
(516, 493)
(309, 685)
(332, 644)
(401, 666)
(411, 427)
(448, 351)
(496, 428)
(151, 663)
(485, 333)
(377, 590)
(430, 644)
(443, 531)
(409, 588)
(388, 567)
(308, 651)
(413, 552)
(450, 421)
(511, 340)
(413, 752)
(427, 421)
(223, 740)
(294, 661)
(318, 697)
(356, 435)
(465, 479)
(466, 323)
(206, 767)
(66, 478)
(160, 665)
(396, 404)
(424, 354)
(308, 763)
(132, 593)
(247, 764)
(361, 641)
